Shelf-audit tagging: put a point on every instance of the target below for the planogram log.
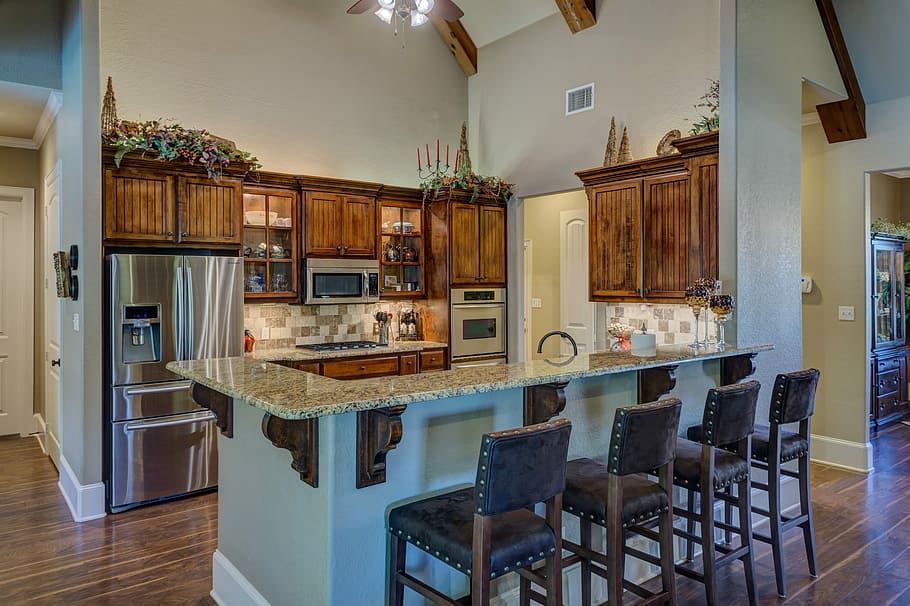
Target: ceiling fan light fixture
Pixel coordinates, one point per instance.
(384, 14)
(388, 4)
(424, 6)
(418, 19)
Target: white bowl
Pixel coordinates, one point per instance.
(257, 217)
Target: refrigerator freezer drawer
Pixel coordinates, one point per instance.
(162, 457)
(152, 400)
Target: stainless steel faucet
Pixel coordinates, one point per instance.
(560, 333)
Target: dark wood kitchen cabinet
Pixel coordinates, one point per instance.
(888, 398)
(653, 224)
(478, 243)
(140, 206)
(210, 211)
(401, 243)
(380, 365)
(339, 225)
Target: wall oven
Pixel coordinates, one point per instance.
(478, 323)
(331, 281)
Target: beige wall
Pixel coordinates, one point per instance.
(836, 253)
(302, 85)
(885, 198)
(650, 61)
(905, 199)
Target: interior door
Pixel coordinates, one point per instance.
(53, 310)
(16, 309)
(576, 313)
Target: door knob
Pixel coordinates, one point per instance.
(55, 362)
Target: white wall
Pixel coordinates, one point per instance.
(302, 85)
(30, 42)
(650, 61)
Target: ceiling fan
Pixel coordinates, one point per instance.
(415, 10)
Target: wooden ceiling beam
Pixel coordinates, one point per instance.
(459, 42)
(579, 14)
(842, 120)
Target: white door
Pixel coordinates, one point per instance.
(576, 313)
(52, 312)
(17, 316)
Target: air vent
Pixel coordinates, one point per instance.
(580, 99)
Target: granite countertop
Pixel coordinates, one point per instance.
(292, 394)
(296, 354)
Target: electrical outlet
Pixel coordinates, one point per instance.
(375, 328)
(536, 303)
(265, 332)
(846, 313)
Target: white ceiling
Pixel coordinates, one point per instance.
(21, 108)
(876, 36)
(490, 20)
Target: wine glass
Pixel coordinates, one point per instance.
(713, 285)
(697, 298)
(722, 306)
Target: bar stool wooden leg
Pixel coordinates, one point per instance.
(665, 530)
(615, 542)
(728, 516)
(805, 505)
(554, 564)
(690, 526)
(777, 539)
(480, 569)
(586, 529)
(398, 550)
(744, 492)
(524, 591)
(708, 551)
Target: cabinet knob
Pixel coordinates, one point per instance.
(410, 363)
(183, 234)
(344, 249)
(170, 233)
(338, 248)
(363, 368)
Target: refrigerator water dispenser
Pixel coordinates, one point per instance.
(141, 334)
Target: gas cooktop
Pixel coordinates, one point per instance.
(341, 346)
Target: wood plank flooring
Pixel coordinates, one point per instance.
(162, 554)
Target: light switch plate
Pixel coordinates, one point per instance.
(265, 332)
(536, 303)
(75, 322)
(846, 313)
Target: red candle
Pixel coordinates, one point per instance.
(457, 151)
(428, 155)
(418, 157)
(437, 151)
(447, 154)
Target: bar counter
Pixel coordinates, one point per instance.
(314, 534)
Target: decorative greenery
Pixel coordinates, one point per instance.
(467, 181)
(173, 142)
(901, 230)
(710, 104)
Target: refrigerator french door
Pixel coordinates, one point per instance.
(164, 308)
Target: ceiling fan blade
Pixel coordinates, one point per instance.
(448, 10)
(361, 6)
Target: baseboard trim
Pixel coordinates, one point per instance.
(230, 587)
(40, 431)
(843, 454)
(86, 502)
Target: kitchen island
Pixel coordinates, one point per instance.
(315, 534)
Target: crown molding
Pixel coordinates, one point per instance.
(810, 118)
(51, 109)
(20, 142)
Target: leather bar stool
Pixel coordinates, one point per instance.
(618, 497)
(793, 401)
(490, 529)
(708, 471)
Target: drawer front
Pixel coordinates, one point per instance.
(889, 364)
(361, 369)
(432, 360)
(408, 364)
(888, 382)
(887, 405)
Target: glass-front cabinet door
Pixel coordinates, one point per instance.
(269, 244)
(401, 249)
(887, 293)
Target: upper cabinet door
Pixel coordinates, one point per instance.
(323, 224)
(210, 211)
(139, 206)
(666, 242)
(464, 243)
(492, 245)
(703, 196)
(615, 243)
(358, 220)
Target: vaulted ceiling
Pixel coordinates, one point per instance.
(489, 20)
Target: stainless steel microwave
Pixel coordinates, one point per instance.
(332, 281)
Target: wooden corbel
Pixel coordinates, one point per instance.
(543, 402)
(378, 432)
(221, 405)
(654, 383)
(736, 368)
(301, 438)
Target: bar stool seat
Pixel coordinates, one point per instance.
(729, 467)
(443, 526)
(792, 445)
(587, 491)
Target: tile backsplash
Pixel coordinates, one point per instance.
(673, 324)
(291, 325)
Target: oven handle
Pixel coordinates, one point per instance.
(184, 420)
(365, 288)
(479, 305)
(170, 387)
(457, 366)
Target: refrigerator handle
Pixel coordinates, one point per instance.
(179, 301)
(188, 315)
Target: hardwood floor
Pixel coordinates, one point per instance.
(153, 555)
(163, 554)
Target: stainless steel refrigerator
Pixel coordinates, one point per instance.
(160, 444)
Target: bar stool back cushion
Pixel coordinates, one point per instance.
(794, 396)
(519, 468)
(644, 437)
(730, 413)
